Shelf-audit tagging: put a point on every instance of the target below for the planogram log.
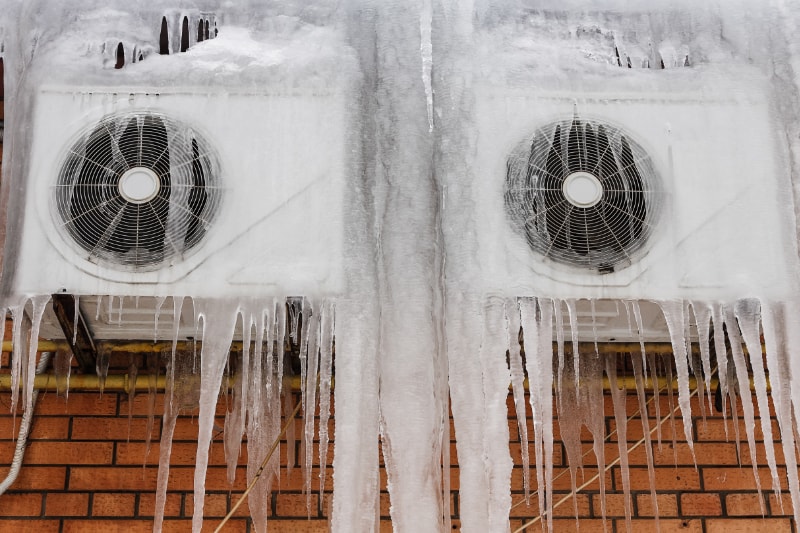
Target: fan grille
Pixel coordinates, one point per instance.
(137, 191)
(584, 194)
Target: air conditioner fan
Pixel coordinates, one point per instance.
(137, 191)
(584, 194)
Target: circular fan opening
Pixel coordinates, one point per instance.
(584, 194)
(137, 191)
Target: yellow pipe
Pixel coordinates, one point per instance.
(113, 382)
(149, 347)
(124, 383)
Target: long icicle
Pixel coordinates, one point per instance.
(517, 385)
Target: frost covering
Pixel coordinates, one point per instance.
(440, 306)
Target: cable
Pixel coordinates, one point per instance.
(641, 441)
(24, 430)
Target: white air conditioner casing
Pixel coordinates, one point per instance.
(726, 224)
(279, 226)
(723, 228)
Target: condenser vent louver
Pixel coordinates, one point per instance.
(137, 191)
(584, 194)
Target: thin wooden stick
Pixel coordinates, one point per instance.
(260, 468)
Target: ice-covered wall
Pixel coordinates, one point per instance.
(434, 295)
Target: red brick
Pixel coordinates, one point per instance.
(294, 505)
(112, 428)
(39, 477)
(738, 478)
(42, 526)
(78, 403)
(775, 505)
(276, 525)
(114, 478)
(147, 504)
(700, 504)
(748, 525)
(182, 453)
(20, 504)
(687, 525)
(745, 504)
(113, 504)
(64, 453)
(108, 526)
(666, 479)
(67, 504)
(667, 505)
(216, 505)
(43, 427)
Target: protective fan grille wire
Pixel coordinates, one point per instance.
(604, 236)
(91, 209)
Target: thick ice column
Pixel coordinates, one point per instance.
(355, 458)
(406, 206)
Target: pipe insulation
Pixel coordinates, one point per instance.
(24, 428)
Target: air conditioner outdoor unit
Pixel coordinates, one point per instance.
(150, 192)
(596, 181)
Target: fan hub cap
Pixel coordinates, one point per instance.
(582, 189)
(139, 185)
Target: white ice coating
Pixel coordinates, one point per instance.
(409, 111)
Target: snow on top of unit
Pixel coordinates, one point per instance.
(255, 44)
(520, 43)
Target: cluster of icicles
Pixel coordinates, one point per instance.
(726, 333)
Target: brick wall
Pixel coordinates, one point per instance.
(86, 469)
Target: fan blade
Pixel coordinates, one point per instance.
(636, 204)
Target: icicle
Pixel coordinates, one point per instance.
(101, 367)
(177, 309)
(667, 362)
(774, 320)
(110, 310)
(559, 343)
(618, 400)
(235, 418)
(218, 318)
(119, 310)
(159, 303)
(594, 417)
(309, 382)
(695, 363)
(76, 318)
(517, 383)
(540, 376)
(133, 371)
(97, 307)
(257, 430)
(594, 326)
(573, 326)
(181, 390)
(20, 322)
(280, 337)
(152, 388)
(675, 317)
(62, 366)
(325, 372)
(499, 332)
(640, 373)
(748, 315)
(702, 313)
(721, 353)
(569, 424)
(654, 376)
(743, 379)
(39, 305)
